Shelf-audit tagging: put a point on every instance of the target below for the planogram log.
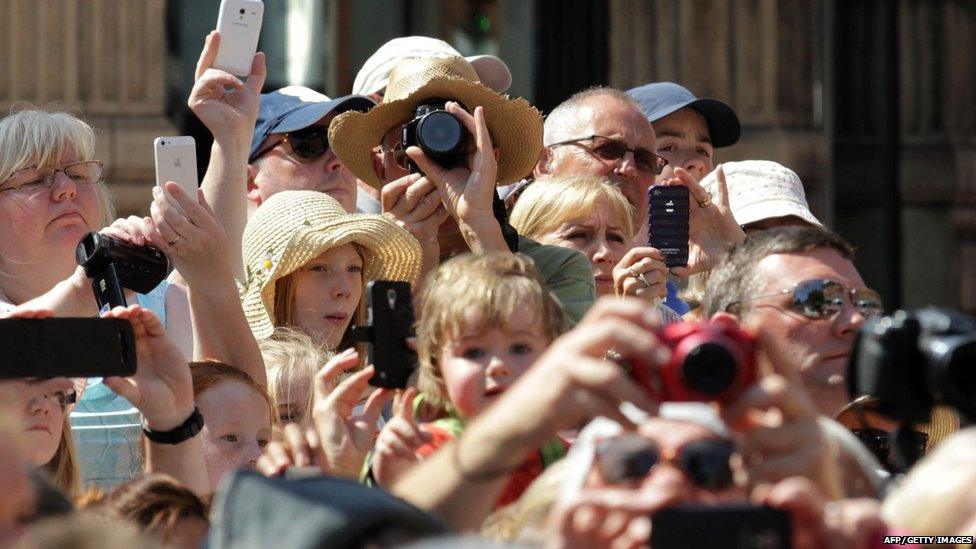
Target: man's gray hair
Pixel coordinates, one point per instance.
(564, 123)
(736, 277)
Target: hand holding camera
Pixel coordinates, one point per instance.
(437, 140)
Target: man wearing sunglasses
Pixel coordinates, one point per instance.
(290, 148)
(800, 286)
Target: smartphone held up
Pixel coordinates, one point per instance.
(239, 25)
(667, 223)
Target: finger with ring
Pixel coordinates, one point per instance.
(705, 202)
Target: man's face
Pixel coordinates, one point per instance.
(609, 117)
(819, 348)
(684, 141)
(280, 169)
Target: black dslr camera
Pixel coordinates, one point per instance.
(113, 265)
(914, 361)
(438, 133)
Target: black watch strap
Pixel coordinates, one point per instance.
(189, 429)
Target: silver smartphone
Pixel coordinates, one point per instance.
(176, 160)
(239, 25)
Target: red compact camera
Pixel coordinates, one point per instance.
(711, 361)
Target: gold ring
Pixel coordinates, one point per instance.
(703, 203)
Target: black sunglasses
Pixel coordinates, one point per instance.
(308, 143)
(823, 298)
(878, 441)
(610, 150)
(626, 459)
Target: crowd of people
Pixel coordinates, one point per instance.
(541, 312)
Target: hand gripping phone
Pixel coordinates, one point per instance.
(738, 526)
(66, 347)
(389, 322)
(176, 160)
(667, 223)
(239, 25)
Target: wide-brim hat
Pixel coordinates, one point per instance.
(762, 189)
(514, 124)
(293, 227)
(659, 99)
(943, 422)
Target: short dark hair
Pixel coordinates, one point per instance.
(735, 277)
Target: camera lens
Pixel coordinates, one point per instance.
(440, 135)
(709, 368)
(242, 11)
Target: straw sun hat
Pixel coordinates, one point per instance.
(515, 125)
(293, 227)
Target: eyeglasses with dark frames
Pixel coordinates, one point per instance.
(610, 150)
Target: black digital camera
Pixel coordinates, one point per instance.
(113, 265)
(914, 361)
(438, 133)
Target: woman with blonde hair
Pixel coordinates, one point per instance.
(591, 215)
(307, 262)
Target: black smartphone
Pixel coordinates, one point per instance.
(736, 526)
(389, 322)
(66, 347)
(667, 223)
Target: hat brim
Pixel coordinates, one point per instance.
(769, 209)
(515, 126)
(723, 124)
(390, 254)
(492, 71)
(309, 114)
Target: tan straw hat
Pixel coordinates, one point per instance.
(293, 227)
(515, 125)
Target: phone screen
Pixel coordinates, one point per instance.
(667, 223)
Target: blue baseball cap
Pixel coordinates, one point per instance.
(659, 99)
(296, 107)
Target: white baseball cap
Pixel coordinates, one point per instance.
(375, 73)
(760, 189)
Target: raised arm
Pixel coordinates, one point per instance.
(569, 383)
(229, 109)
(188, 232)
(162, 390)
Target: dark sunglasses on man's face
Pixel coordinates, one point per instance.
(611, 150)
(626, 459)
(823, 298)
(308, 143)
(878, 441)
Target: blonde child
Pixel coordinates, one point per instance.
(291, 359)
(484, 320)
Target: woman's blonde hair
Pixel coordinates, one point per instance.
(37, 137)
(552, 200)
(64, 467)
(937, 494)
(288, 354)
(284, 302)
(492, 285)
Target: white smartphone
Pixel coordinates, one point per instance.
(176, 160)
(239, 25)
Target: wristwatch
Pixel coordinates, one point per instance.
(187, 430)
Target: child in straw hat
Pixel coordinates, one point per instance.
(307, 260)
(484, 321)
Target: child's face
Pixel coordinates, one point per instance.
(483, 361)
